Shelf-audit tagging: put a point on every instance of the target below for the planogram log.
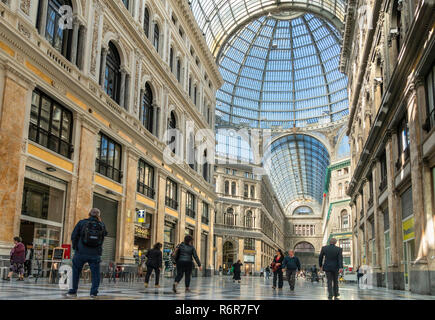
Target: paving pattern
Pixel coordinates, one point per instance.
(216, 288)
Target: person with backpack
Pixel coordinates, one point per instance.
(183, 259)
(292, 264)
(87, 241)
(154, 262)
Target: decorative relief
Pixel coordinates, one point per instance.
(97, 15)
(24, 30)
(60, 88)
(25, 6)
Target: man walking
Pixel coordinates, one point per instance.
(87, 241)
(292, 265)
(332, 265)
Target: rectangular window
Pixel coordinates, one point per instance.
(145, 179)
(190, 205)
(430, 89)
(108, 161)
(205, 213)
(246, 191)
(403, 136)
(171, 194)
(50, 124)
(249, 244)
(386, 220)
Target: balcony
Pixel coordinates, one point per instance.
(341, 230)
(171, 203)
(190, 213)
(107, 170)
(145, 190)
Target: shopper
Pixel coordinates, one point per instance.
(267, 273)
(276, 266)
(87, 241)
(17, 259)
(359, 275)
(332, 265)
(29, 258)
(292, 264)
(314, 275)
(154, 262)
(183, 259)
(237, 271)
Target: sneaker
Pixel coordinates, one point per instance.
(329, 298)
(7, 279)
(157, 286)
(70, 295)
(337, 298)
(93, 296)
(174, 288)
(146, 285)
(188, 290)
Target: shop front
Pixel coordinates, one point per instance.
(169, 239)
(204, 252)
(42, 216)
(249, 262)
(109, 215)
(142, 233)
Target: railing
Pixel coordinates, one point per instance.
(430, 121)
(341, 230)
(145, 190)
(53, 142)
(108, 170)
(190, 213)
(171, 203)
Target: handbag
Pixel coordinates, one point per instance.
(175, 255)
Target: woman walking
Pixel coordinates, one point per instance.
(183, 256)
(154, 262)
(18, 257)
(237, 271)
(277, 269)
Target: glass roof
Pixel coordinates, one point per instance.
(218, 19)
(282, 73)
(297, 168)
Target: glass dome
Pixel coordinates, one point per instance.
(282, 71)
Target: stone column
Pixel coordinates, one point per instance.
(394, 218)
(104, 52)
(17, 93)
(75, 38)
(43, 17)
(219, 252)
(81, 48)
(141, 94)
(86, 169)
(122, 88)
(198, 230)
(159, 225)
(211, 267)
(258, 263)
(182, 221)
(129, 209)
(376, 265)
(240, 253)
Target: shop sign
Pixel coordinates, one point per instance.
(141, 216)
(141, 232)
(249, 259)
(408, 229)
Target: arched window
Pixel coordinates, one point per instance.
(303, 210)
(304, 247)
(252, 192)
(147, 108)
(172, 125)
(112, 76)
(344, 219)
(227, 188)
(55, 32)
(146, 23)
(229, 218)
(191, 151)
(233, 188)
(249, 219)
(156, 37)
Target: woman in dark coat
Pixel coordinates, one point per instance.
(154, 262)
(237, 271)
(18, 257)
(184, 255)
(276, 266)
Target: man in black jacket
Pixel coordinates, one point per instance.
(332, 266)
(87, 241)
(292, 264)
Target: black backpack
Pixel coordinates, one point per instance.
(92, 233)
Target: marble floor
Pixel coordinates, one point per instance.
(216, 288)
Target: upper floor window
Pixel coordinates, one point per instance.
(172, 125)
(344, 219)
(246, 191)
(171, 59)
(227, 188)
(56, 33)
(304, 210)
(403, 135)
(108, 161)
(205, 213)
(171, 194)
(205, 166)
(146, 23)
(233, 188)
(249, 219)
(229, 217)
(190, 205)
(145, 179)
(195, 95)
(430, 89)
(112, 79)
(249, 244)
(156, 37)
(179, 70)
(252, 192)
(50, 124)
(147, 108)
(126, 3)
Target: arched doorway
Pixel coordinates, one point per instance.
(228, 256)
(305, 251)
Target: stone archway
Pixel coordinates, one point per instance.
(229, 255)
(306, 253)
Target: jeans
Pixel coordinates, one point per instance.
(184, 267)
(94, 264)
(332, 277)
(278, 274)
(148, 274)
(291, 278)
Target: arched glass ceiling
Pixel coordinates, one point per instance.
(297, 167)
(281, 72)
(218, 19)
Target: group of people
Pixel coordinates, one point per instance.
(88, 237)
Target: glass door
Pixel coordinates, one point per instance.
(408, 257)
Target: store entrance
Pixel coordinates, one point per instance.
(408, 258)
